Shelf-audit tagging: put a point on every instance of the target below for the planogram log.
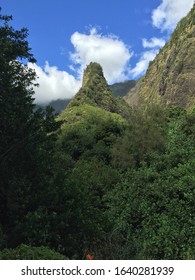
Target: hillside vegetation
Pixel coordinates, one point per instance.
(101, 178)
(170, 78)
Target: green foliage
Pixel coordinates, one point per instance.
(83, 153)
(184, 24)
(95, 90)
(170, 79)
(146, 132)
(25, 252)
(26, 137)
(2, 237)
(155, 220)
(73, 217)
(90, 181)
(89, 131)
(152, 207)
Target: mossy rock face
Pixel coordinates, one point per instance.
(96, 92)
(25, 252)
(170, 78)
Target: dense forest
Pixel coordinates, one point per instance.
(101, 178)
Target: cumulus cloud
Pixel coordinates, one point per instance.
(109, 51)
(169, 12)
(153, 43)
(53, 84)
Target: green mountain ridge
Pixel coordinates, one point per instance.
(170, 78)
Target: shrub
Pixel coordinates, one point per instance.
(25, 252)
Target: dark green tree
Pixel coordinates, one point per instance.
(25, 145)
(152, 207)
(146, 132)
(24, 252)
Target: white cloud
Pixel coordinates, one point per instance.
(143, 63)
(53, 84)
(109, 51)
(169, 12)
(153, 43)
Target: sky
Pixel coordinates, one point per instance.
(66, 35)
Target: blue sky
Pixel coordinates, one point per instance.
(66, 35)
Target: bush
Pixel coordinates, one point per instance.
(25, 252)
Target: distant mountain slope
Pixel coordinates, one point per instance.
(121, 89)
(171, 76)
(58, 105)
(132, 96)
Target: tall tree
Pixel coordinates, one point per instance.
(24, 141)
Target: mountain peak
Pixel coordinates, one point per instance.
(91, 72)
(96, 92)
